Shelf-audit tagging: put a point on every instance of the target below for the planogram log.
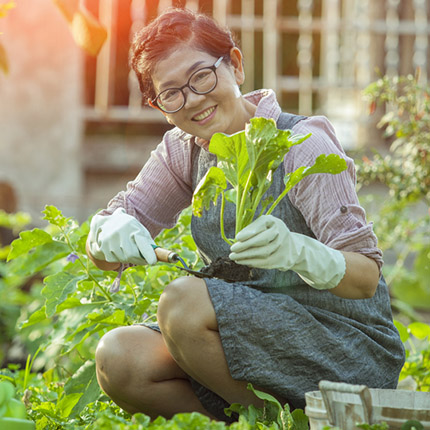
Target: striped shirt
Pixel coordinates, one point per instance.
(328, 203)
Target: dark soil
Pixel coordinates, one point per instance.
(226, 269)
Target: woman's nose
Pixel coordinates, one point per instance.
(192, 99)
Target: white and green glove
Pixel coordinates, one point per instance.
(267, 243)
(120, 238)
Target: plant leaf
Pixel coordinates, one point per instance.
(267, 147)
(419, 330)
(301, 421)
(83, 381)
(232, 156)
(4, 63)
(27, 241)
(57, 289)
(54, 216)
(41, 257)
(403, 331)
(4, 8)
(208, 190)
(66, 403)
(331, 163)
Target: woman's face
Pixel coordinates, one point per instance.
(222, 110)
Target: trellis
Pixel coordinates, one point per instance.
(331, 48)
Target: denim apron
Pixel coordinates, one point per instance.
(279, 333)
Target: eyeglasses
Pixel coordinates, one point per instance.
(202, 81)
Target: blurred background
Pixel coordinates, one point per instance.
(72, 128)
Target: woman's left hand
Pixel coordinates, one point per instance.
(267, 243)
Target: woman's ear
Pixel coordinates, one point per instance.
(237, 63)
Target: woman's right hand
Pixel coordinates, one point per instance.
(120, 238)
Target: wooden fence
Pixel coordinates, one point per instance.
(318, 55)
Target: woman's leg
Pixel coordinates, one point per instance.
(188, 323)
(135, 369)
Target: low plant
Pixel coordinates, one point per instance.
(77, 307)
(402, 221)
(416, 338)
(247, 161)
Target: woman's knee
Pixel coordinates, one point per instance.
(117, 355)
(110, 356)
(185, 306)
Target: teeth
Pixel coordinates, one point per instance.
(204, 115)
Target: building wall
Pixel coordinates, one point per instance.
(41, 121)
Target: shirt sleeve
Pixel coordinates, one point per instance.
(329, 203)
(162, 188)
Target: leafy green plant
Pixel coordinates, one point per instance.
(58, 384)
(13, 413)
(12, 292)
(416, 337)
(408, 425)
(376, 426)
(77, 307)
(272, 414)
(406, 168)
(247, 161)
(402, 222)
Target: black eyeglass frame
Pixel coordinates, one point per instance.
(214, 68)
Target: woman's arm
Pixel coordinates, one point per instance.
(151, 202)
(361, 277)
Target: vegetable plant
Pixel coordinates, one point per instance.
(402, 221)
(416, 338)
(246, 161)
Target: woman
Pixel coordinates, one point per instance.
(319, 307)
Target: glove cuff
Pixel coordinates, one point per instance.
(321, 267)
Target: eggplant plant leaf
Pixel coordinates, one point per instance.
(247, 161)
(27, 241)
(209, 189)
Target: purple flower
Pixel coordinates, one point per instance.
(72, 257)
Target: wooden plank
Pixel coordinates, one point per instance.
(304, 57)
(420, 58)
(270, 44)
(248, 43)
(220, 11)
(104, 71)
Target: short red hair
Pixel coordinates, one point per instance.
(170, 29)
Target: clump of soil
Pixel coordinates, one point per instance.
(227, 269)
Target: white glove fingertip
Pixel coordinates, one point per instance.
(145, 249)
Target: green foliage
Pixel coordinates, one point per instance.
(402, 222)
(406, 169)
(12, 297)
(77, 308)
(416, 337)
(272, 415)
(66, 315)
(247, 161)
(376, 426)
(408, 425)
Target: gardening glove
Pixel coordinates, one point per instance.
(267, 243)
(120, 238)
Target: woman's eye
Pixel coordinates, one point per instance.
(201, 75)
(169, 95)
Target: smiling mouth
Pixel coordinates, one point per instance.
(205, 114)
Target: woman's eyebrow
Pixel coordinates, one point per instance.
(191, 69)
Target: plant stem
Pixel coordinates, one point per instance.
(221, 220)
(86, 269)
(28, 366)
(276, 202)
(242, 195)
